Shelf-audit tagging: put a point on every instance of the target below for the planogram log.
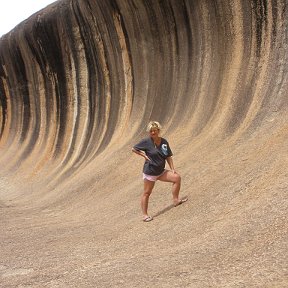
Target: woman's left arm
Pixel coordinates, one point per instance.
(171, 164)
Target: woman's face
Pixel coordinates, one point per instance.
(154, 132)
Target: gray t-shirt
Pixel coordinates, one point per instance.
(157, 154)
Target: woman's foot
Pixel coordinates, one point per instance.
(147, 218)
(179, 202)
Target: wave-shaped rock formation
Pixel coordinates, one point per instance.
(79, 80)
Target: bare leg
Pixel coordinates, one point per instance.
(148, 186)
(175, 179)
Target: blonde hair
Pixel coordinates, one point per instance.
(153, 124)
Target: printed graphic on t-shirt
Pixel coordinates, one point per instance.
(164, 149)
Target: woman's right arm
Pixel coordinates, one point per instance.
(141, 153)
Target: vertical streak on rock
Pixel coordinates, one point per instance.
(262, 61)
(42, 86)
(30, 146)
(223, 110)
(16, 100)
(73, 103)
(98, 90)
(5, 111)
(127, 93)
(133, 18)
(78, 87)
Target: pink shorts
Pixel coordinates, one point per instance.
(152, 177)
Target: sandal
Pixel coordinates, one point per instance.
(148, 219)
(180, 202)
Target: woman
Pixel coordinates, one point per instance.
(156, 152)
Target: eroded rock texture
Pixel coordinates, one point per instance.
(78, 83)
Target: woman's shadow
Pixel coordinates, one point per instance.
(169, 207)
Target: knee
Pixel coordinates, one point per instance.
(147, 193)
(177, 178)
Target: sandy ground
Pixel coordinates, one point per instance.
(231, 233)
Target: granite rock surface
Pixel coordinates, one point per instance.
(80, 80)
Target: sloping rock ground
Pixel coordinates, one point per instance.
(79, 82)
